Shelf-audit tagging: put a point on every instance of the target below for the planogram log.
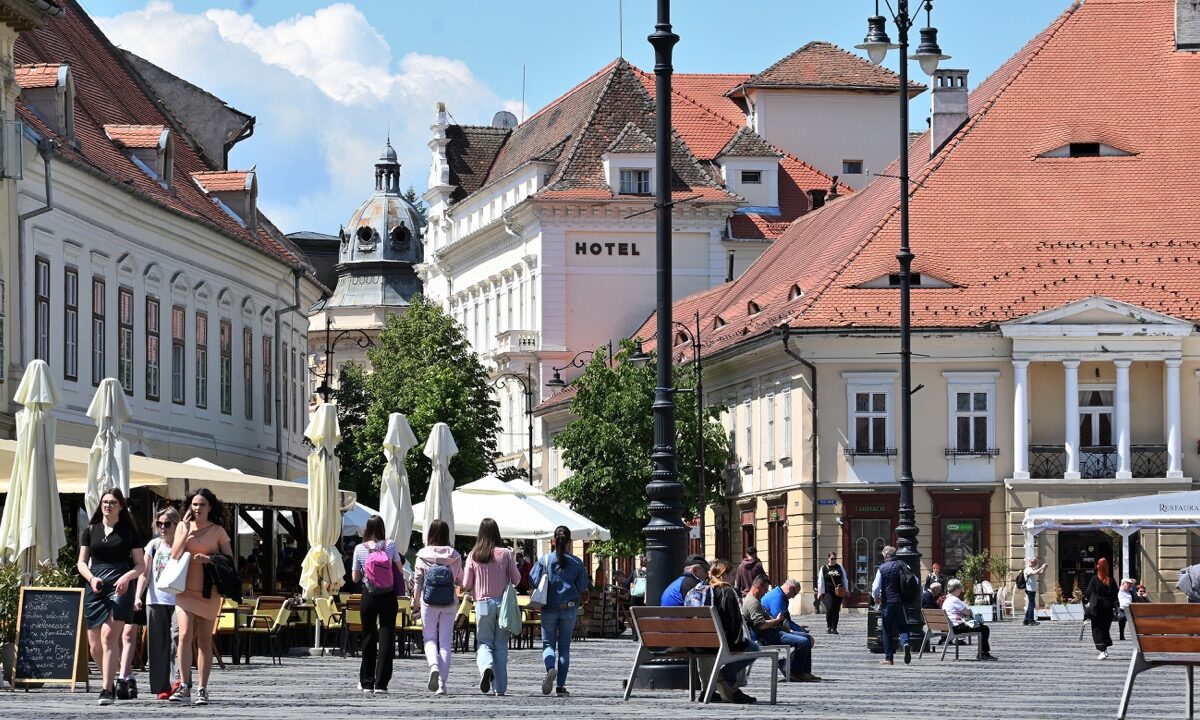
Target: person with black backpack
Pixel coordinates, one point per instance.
(378, 566)
(439, 569)
(895, 586)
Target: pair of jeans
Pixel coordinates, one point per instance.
(729, 673)
(801, 641)
(162, 635)
(437, 630)
(1030, 604)
(983, 631)
(378, 640)
(893, 624)
(557, 626)
(493, 643)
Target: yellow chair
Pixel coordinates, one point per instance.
(351, 625)
(329, 616)
(271, 628)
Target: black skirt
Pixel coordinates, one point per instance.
(97, 607)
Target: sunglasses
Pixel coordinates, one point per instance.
(110, 502)
(164, 524)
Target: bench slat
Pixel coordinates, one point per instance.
(1145, 610)
(1172, 658)
(935, 619)
(654, 611)
(660, 624)
(1167, 626)
(1168, 644)
(680, 639)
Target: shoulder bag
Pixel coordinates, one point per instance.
(510, 611)
(541, 594)
(173, 577)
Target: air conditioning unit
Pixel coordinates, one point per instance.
(11, 144)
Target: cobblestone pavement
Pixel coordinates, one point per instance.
(1044, 672)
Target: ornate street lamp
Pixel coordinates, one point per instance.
(556, 381)
(526, 383)
(360, 338)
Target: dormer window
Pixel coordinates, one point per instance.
(629, 161)
(795, 292)
(1085, 150)
(149, 147)
(753, 308)
(751, 177)
(635, 182)
(917, 280)
(234, 191)
(718, 322)
(49, 90)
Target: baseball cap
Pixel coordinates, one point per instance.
(696, 560)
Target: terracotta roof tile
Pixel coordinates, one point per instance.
(37, 75)
(471, 152)
(747, 143)
(222, 180)
(136, 136)
(825, 65)
(631, 140)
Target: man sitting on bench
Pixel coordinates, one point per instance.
(963, 620)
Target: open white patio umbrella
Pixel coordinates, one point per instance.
(108, 460)
(322, 571)
(439, 504)
(31, 530)
(520, 516)
(581, 527)
(395, 498)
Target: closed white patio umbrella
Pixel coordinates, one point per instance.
(322, 571)
(395, 497)
(439, 504)
(108, 459)
(31, 530)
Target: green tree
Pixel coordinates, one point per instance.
(353, 402)
(417, 202)
(608, 447)
(422, 366)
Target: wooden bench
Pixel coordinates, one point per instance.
(691, 633)
(1164, 634)
(936, 623)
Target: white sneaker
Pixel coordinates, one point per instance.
(440, 691)
(435, 679)
(1103, 655)
(548, 681)
(201, 697)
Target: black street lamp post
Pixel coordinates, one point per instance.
(556, 381)
(693, 334)
(360, 338)
(928, 55)
(526, 382)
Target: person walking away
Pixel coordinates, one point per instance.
(963, 620)
(775, 604)
(935, 576)
(490, 569)
(728, 606)
(1032, 572)
(438, 570)
(1099, 606)
(750, 568)
(161, 630)
(567, 582)
(833, 587)
(695, 571)
(886, 589)
(201, 534)
(110, 559)
(377, 566)
(1124, 600)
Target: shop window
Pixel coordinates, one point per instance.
(868, 536)
(960, 537)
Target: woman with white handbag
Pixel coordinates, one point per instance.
(110, 561)
(197, 540)
(160, 607)
(560, 581)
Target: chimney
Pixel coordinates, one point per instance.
(949, 107)
(1187, 25)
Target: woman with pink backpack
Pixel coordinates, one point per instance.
(439, 570)
(380, 569)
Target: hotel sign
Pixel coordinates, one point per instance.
(607, 248)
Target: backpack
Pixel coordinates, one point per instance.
(439, 587)
(699, 596)
(378, 570)
(910, 589)
(1020, 579)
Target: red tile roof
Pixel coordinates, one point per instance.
(39, 75)
(825, 65)
(136, 136)
(222, 180)
(1014, 233)
(107, 92)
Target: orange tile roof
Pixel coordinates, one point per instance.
(37, 75)
(222, 180)
(1014, 233)
(825, 65)
(136, 136)
(107, 93)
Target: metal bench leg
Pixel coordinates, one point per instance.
(1137, 664)
(1191, 687)
(637, 662)
(924, 644)
(1082, 626)
(788, 652)
(718, 662)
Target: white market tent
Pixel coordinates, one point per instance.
(519, 514)
(581, 527)
(1124, 516)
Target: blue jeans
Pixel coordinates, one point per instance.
(493, 643)
(893, 623)
(1030, 603)
(730, 672)
(557, 626)
(801, 641)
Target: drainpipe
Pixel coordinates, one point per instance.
(785, 332)
(297, 273)
(45, 147)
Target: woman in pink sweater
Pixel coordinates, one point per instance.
(490, 569)
(437, 604)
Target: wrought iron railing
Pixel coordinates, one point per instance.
(1050, 461)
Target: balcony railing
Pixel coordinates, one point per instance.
(1050, 461)
(516, 342)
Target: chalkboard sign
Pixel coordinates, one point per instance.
(50, 642)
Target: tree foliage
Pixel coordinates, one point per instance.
(608, 446)
(411, 195)
(353, 401)
(422, 366)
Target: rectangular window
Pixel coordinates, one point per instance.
(41, 309)
(153, 362)
(2, 316)
(751, 177)
(248, 370)
(226, 349)
(178, 353)
(125, 339)
(285, 390)
(98, 330)
(71, 324)
(787, 422)
(299, 381)
(1096, 417)
(870, 422)
(635, 182)
(971, 421)
(201, 360)
(747, 433)
(769, 431)
(268, 380)
(777, 544)
(852, 167)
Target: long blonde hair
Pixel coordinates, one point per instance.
(717, 572)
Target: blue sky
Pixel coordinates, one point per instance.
(327, 80)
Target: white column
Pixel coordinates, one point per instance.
(1071, 442)
(1021, 420)
(1174, 424)
(1121, 420)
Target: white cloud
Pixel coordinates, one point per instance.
(324, 89)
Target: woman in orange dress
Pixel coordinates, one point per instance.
(201, 534)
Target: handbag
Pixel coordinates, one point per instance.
(839, 591)
(510, 611)
(173, 577)
(541, 594)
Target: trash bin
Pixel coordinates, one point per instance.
(874, 641)
(916, 629)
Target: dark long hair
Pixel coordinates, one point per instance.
(374, 531)
(1102, 572)
(439, 533)
(216, 510)
(486, 541)
(562, 543)
(122, 516)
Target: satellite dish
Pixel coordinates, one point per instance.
(504, 120)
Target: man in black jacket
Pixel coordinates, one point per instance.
(893, 621)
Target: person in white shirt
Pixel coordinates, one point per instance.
(1124, 600)
(162, 630)
(958, 613)
(1032, 572)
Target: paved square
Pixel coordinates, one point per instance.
(1044, 672)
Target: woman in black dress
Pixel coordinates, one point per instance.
(833, 587)
(1100, 603)
(111, 558)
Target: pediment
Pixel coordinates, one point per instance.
(1098, 315)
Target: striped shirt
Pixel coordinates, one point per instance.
(360, 554)
(487, 580)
